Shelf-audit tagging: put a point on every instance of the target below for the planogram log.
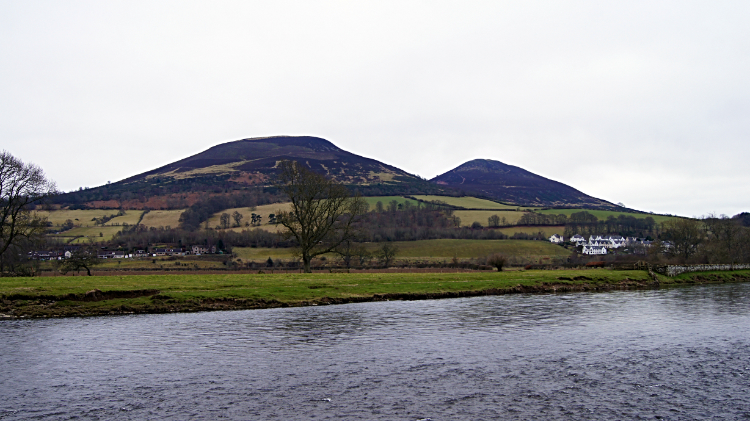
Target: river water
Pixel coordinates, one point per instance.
(675, 354)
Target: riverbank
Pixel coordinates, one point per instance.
(74, 296)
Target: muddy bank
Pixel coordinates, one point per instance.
(100, 303)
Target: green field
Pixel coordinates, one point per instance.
(468, 202)
(131, 217)
(88, 234)
(63, 296)
(162, 218)
(603, 214)
(372, 200)
(434, 250)
(79, 217)
(546, 229)
(470, 216)
(264, 211)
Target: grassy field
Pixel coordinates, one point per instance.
(386, 200)
(603, 214)
(64, 296)
(468, 202)
(162, 218)
(82, 217)
(89, 234)
(546, 229)
(470, 216)
(246, 213)
(434, 250)
(131, 217)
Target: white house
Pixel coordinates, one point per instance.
(557, 239)
(577, 239)
(587, 249)
(608, 241)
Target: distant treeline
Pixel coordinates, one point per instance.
(141, 238)
(584, 223)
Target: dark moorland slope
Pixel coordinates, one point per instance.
(249, 165)
(510, 184)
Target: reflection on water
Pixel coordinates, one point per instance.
(675, 354)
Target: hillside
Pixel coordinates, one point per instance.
(248, 164)
(511, 184)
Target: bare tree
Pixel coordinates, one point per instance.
(497, 260)
(387, 253)
(237, 218)
(493, 221)
(685, 235)
(84, 257)
(224, 218)
(323, 214)
(726, 239)
(22, 186)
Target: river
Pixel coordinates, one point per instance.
(674, 354)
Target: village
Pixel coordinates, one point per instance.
(598, 244)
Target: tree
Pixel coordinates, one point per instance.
(387, 253)
(224, 218)
(82, 258)
(685, 235)
(497, 260)
(237, 218)
(22, 187)
(726, 237)
(322, 214)
(493, 221)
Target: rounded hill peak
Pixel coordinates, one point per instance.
(309, 142)
(483, 165)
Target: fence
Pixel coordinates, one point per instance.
(674, 270)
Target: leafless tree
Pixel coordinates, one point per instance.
(84, 257)
(237, 218)
(224, 218)
(387, 253)
(22, 186)
(322, 215)
(686, 235)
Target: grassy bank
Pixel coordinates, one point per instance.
(73, 296)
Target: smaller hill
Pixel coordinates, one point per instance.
(510, 184)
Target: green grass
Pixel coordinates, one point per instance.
(162, 218)
(372, 200)
(468, 202)
(603, 214)
(47, 296)
(470, 216)
(89, 234)
(434, 249)
(288, 288)
(131, 217)
(82, 217)
(546, 229)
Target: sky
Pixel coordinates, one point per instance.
(641, 102)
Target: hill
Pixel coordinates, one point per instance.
(510, 184)
(244, 165)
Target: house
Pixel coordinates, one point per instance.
(592, 250)
(577, 239)
(556, 239)
(608, 241)
(110, 254)
(198, 249)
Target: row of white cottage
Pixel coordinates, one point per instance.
(596, 244)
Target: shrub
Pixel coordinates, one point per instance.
(497, 260)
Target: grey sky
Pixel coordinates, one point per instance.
(645, 103)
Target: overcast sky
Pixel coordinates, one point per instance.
(645, 103)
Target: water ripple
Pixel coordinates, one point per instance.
(670, 354)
